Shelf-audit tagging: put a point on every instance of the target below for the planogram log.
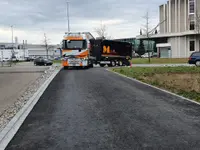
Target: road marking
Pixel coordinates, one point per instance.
(133, 79)
(12, 127)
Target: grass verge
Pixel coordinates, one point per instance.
(159, 60)
(184, 81)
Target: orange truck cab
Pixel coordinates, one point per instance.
(76, 50)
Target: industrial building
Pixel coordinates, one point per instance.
(33, 50)
(179, 29)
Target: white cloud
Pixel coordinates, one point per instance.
(32, 18)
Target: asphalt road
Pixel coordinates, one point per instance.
(95, 109)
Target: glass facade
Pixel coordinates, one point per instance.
(135, 43)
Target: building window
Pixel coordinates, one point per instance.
(191, 6)
(192, 26)
(192, 45)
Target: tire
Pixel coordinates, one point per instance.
(126, 63)
(91, 66)
(102, 65)
(197, 63)
(120, 63)
(65, 67)
(113, 63)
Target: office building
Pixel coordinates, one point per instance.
(179, 29)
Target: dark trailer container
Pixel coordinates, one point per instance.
(111, 52)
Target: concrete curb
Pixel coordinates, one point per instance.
(184, 98)
(12, 127)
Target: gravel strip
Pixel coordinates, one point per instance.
(10, 112)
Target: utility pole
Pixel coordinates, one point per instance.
(68, 16)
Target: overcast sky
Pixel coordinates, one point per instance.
(31, 18)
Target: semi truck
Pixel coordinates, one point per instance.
(76, 50)
(111, 53)
(81, 49)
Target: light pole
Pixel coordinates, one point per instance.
(12, 45)
(68, 15)
(12, 34)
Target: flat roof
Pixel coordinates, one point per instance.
(164, 35)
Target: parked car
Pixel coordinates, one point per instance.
(42, 62)
(154, 56)
(14, 58)
(194, 59)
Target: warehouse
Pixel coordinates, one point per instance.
(32, 50)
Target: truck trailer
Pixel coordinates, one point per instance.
(111, 53)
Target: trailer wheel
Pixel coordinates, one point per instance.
(113, 63)
(120, 63)
(126, 63)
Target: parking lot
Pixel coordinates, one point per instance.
(15, 80)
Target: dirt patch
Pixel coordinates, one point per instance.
(178, 81)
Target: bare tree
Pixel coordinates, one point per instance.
(102, 32)
(197, 24)
(46, 45)
(149, 32)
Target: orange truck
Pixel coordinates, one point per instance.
(76, 50)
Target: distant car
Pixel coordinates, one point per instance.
(194, 59)
(28, 59)
(14, 58)
(42, 62)
(154, 56)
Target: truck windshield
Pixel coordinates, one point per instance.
(74, 44)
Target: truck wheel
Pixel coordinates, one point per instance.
(126, 63)
(65, 67)
(120, 63)
(102, 65)
(197, 63)
(113, 63)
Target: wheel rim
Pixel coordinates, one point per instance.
(120, 63)
(113, 63)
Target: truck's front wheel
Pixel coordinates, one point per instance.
(65, 67)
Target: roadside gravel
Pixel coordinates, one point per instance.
(10, 112)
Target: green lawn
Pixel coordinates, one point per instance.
(159, 60)
(184, 81)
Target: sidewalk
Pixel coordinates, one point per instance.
(12, 85)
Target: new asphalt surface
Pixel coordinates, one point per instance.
(96, 109)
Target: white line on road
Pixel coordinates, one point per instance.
(155, 87)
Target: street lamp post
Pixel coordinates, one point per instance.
(68, 15)
(12, 45)
(12, 35)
